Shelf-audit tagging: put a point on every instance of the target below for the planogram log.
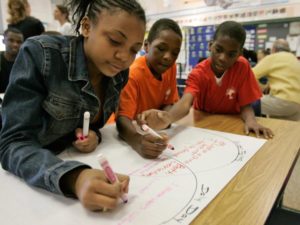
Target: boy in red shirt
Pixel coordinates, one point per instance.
(151, 85)
(224, 83)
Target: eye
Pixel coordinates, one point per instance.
(134, 51)
(218, 50)
(114, 42)
(232, 55)
(160, 48)
(175, 54)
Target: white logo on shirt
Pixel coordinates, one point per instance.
(168, 92)
(230, 93)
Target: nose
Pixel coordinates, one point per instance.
(123, 55)
(223, 58)
(168, 56)
(15, 44)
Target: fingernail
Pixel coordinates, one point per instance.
(171, 147)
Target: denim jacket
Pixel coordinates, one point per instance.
(49, 92)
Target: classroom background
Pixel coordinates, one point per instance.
(264, 21)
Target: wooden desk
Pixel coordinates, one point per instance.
(250, 196)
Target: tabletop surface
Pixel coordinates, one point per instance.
(251, 194)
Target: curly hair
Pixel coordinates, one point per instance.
(17, 10)
(163, 24)
(233, 30)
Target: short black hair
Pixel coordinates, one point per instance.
(12, 30)
(163, 24)
(233, 30)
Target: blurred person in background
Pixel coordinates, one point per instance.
(282, 69)
(61, 14)
(19, 17)
(13, 39)
(261, 53)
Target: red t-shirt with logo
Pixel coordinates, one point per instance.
(237, 87)
(143, 91)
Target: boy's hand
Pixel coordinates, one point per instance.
(85, 144)
(155, 119)
(257, 129)
(149, 146)
(96, 193)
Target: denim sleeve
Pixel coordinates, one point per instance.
(22, 115)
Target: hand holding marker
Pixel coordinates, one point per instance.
(109, 173)
(147, 129)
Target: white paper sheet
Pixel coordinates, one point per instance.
(170, 190)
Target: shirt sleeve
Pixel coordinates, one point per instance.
(192, 83)
(249, 91)
(262, 68)
(129, 100)
(173, 97)
(22, 114)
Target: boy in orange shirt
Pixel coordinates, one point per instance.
(223, 83)
(151, 85)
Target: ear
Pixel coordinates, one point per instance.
(209, 45)
(146, 45)
(85, 26)
(241, 52)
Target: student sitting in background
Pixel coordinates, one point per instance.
(224, 83)
(19, 12)
(54, 80)
(282, 69)
(13, 39)
(261, 53)
(151, 85)
(263, 81)
(61, 14)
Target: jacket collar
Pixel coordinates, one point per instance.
(77, 61)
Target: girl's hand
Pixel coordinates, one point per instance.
(85, 144)
(96, 193)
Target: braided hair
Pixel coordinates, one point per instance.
(92, 8)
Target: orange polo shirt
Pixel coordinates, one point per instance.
(143, 91)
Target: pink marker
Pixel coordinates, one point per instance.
(147, 129)
(109, 173)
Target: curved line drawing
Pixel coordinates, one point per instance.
(239, 153)
(194, 192)
(239, 149)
